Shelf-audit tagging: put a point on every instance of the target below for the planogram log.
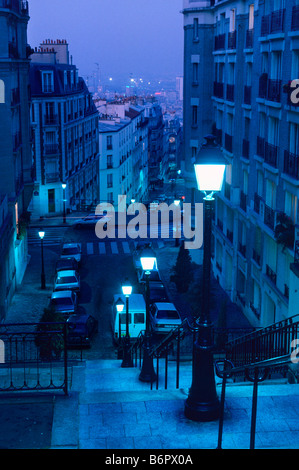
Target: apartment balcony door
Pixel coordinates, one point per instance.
(51, 200)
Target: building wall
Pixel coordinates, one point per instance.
(65, 123)
(15, 149)
(256, 124)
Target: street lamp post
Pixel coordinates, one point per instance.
(41, 234)
(127, 358)
(63, 187)
(177, 202)
(148, 262)
(202, 403)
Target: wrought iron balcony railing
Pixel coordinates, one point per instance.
(260, 146)
(271, 274)
(271, 153)
(249, 38)
(295, 18)
(232, 40)
(230, 92)
(291, 164)
(247, 94)
(218, 90)
(219, 42)
(269, 217)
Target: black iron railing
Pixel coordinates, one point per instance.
(254, 373)
(265, 343)
(34, 357)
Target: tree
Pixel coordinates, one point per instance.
(183, 270)
(50, 343)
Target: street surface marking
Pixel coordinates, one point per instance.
(89, 247)
(114, 248)
(102, 248)
(126, 247)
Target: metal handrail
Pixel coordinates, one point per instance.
(256, 373)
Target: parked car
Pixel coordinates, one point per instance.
(90, 221)
(81, 329)
(157, 293)
(71, 250)
(67, 280)
(164, 317)
(65, 264)
(65, 302)
(137, 316)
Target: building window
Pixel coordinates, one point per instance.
(194, 115)
(195, 72)
(47, 82)
(251, 16)
(110, 180)
(195, 29)
(291, 204)
(232, 20)
(109, 161)
(109, 142)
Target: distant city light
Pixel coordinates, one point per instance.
(110, 79)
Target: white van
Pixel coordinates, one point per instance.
(137, 316)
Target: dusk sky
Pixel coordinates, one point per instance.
(139, 37)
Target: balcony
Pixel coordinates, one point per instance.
(277, 21)
(228, 143)
(256, 257)
(242, 249)
(295, 18)
(257, 203)
(247, 94)
(260, 146)
(232, 40)
(271, 152)
(243, 201)
(265, 25)
(263, 86)
(273, 23)
(249, 38)
(51, 149)
(219, 42)
(230, 235)
(218, 90)
(271, 274)
(230, 92)
(274, 90)
(245, 149)
(291, 164)
(269, 217)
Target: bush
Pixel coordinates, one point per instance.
(50, 344)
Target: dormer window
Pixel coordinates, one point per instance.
(47, 82)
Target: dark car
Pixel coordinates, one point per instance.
(65, 264)
(157, 293)
(81, 329)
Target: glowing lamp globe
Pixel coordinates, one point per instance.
(148, 260)
(210, 166)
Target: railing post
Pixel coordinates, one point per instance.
(254, 409)
(65, 359)
(178, 359)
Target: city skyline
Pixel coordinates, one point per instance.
(118, 41)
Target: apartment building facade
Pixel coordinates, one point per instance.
(240, 57)
(65, 125)
(123, 144)
(15, 147)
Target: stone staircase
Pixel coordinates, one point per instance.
(109, 408)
